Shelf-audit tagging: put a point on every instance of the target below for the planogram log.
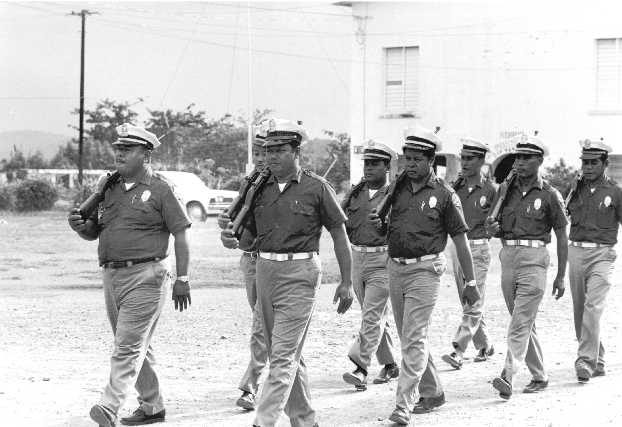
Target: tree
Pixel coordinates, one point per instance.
(561, 176)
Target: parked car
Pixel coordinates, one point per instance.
(199, 200)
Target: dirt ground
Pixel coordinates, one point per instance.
(55, 344)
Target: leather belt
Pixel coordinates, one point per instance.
(588, 244)
(415, 260)
(520, 242)
(369, 249)
(286, 257)
(128, 263)
(478, 242)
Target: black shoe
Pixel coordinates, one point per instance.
(139, 418)
(454, 360)
(484, 354)
(387, 373)
(599, 372)
(358, 378)
(102, 416)
(536, 386)
(503, 386)
(583, 373)
(246, 401)
(426, 405)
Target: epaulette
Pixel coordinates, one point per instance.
(445, 184)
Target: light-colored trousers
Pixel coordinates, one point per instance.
(370, 281)
(259, 354)
(523, 281)
(286, 294)
(134, 299)
(414, 290)
(590, 272)
(473, 325)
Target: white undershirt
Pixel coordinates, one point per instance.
(372, 193)
(282, 186)
(128, 185)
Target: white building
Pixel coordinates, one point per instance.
(487, 69)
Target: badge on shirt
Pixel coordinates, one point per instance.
(607, 201)
(537, 203)
(482, 201)
(432, 202)
(145, 196)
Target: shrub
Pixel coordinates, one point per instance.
(34, 195)
(7, 198)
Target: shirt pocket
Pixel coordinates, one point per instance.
(606, 217)
(301, 208)
(508, 220)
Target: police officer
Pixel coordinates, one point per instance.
(369, 272)
(531, 208)
(288, 216)
(137, 217)
(249, 384)
(595, 208)
(476, 194)
(423, 212)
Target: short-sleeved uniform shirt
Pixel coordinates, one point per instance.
(595, 211)
(476, 202)
(532, 214)
(291, 221)
(419, 222)
(137, 223)
(361, 231)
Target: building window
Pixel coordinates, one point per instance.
(401, 85)
(609, 74)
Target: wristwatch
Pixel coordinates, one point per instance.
(183, 278)
(471, 283)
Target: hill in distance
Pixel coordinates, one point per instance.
(29, 141)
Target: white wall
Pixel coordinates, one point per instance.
(489, 67)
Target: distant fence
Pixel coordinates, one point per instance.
(67, 178)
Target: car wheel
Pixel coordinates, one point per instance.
(195, 211)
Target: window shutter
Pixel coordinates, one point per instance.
(608, 74)
(401, 89)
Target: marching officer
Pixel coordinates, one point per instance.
(369, 270)
(530, 209)
(249, 384)
(288, 215)
(136, 219)
(595, 208)
(476, 195)
(424, 211)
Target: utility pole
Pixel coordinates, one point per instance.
(251, 118)
(83, 13)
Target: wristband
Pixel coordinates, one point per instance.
(183, 278)
(470, 283)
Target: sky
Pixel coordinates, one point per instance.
(173, 54)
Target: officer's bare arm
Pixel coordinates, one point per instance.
(182, 252)
(343, 293)
(562, 250)
(464, 256)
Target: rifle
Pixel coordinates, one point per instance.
(353, 193)
(238, 202)
(249, 199)
(573, 188)
(90, 204)
(458, 181)
(503, 192)
(383, 207)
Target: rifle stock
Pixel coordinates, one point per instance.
(238, 202)
(87, 207)
(249, 199)
(503, 192)
(385, 204)
(573, 189)
(353, 193)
